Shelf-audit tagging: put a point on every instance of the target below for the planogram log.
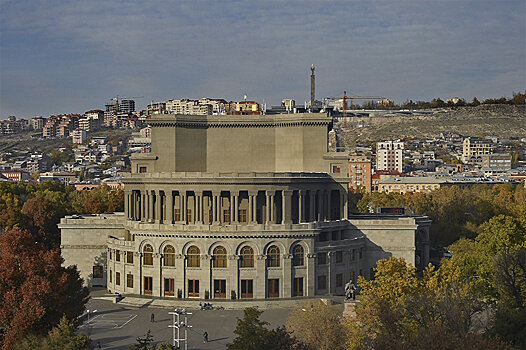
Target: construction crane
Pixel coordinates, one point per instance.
(116, 99)
(344, 102)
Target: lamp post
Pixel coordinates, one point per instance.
(177, 323)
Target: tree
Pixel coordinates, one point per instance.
(400, 310)
(252, 334)
(36, 291)
(317, 325)
(42, 218)
(61, 337)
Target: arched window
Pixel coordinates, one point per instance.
(148, 255)
(297, 255)
(194, 256)
(169, 256)
(273, 256)
(219, 256)
(247, 257)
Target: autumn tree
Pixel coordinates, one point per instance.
(317, 325)
(36, 291)
(400, 310)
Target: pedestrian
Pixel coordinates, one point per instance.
(152, 318)
(205, 337)
(98, 344)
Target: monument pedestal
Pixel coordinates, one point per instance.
(349, 308)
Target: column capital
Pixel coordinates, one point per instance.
(288, 192)
(252, 193)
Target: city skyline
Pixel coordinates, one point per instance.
(75, 57)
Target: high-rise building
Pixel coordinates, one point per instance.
(390, 155)
(360, 172)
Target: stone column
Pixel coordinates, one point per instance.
(150, 210)
(301, 206)
(329, 214)
(127, 204)
(171, 202)
(214, 208)
(267, 208)
(183, 207)
(236, 208)
(312, 206)
(286, 280)
(310, 284)
(272, 208)
(144, 207)
(197, 207)
(286, 206)
(260, 279)
(252, 199)
(320, 205)
(158, 206)
(232, 207)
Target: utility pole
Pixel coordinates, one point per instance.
(176, 323)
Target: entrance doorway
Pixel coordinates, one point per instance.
(169, 286)
(273, 288)
(247, 289)
(219, 289)
(193, 288)
(148, 285)
(298, 287)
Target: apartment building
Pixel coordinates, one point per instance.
(474, 148)
(188, 107)
(360, 169)
(390, 155)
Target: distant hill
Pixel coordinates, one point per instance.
(503, 121)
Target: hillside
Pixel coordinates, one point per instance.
(497, 120)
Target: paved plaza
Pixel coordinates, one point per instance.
(117, 327)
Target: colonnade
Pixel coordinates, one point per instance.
(235, 207)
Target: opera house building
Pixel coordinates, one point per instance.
(238, 207)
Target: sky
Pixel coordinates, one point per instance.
(72, 56)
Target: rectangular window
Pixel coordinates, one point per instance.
(177, 214)
(322, 282)
(193, 288)
(111, 276)
(335, 169)
(129, 257)
(226, 215)
(220, 289)
(98, 271)
(322, 258)
(339, 280)
(361, 254)
(169, 286)
(142, 169)
(273, 288)
(339, 257)
(117, 255)
(129, 280)
(247, 289)
(243, 215)
(110, 254)
(148, 288)
(118, 278)
(298, 287)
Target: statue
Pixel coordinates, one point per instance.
(350, 291)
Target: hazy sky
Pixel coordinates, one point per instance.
(72, 56)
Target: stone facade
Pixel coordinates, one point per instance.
(238, 207)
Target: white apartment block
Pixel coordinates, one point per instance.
(390, 155)
(188, 107)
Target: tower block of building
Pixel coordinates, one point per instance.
(250, 207)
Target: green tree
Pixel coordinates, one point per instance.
(62, 337)
(252, 334)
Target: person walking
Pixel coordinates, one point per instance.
(205, 337)
(152, 318)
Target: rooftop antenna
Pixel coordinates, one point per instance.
(312, 86)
